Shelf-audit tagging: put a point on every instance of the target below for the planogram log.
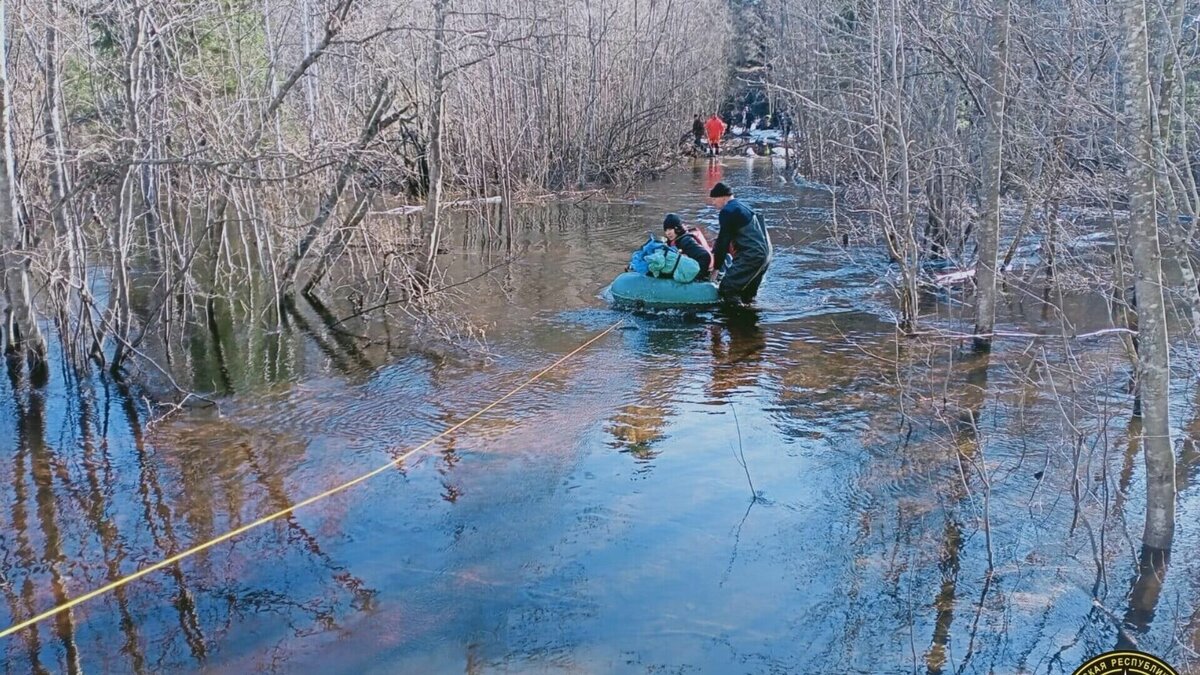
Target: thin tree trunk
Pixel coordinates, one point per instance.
(989, 227)
(66, 251)
(335, 248)
(431, 218)
(1172, 100)
(910, 255)
(310, 82)
(1153, 350)
(1027, 216)
(52, 127)
(23, 336)
(121, 237)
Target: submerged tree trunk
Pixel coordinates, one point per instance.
(376, 122)
(989, 227)
(1153, 350)
(337, 246)
(894, 162)
(431, 221)
(23, 337)
(69, 242)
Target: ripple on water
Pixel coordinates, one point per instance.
(605, 503)
(591, 318)
(322, 407)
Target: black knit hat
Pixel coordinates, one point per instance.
(673, 222)
(720, 190)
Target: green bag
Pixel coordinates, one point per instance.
(686, 270)
(672, 263)
(656, 263)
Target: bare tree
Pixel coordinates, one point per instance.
(433, 207)
(23, 336)
(1153, 349)
(989, 224)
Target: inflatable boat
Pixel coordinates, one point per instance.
(642, 291)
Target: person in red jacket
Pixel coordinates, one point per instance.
(716, 129)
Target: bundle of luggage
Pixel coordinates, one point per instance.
(658, 260)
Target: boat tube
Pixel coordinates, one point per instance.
(642, 291)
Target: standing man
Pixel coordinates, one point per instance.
(744, 234)
(716, 129)
(698, 132)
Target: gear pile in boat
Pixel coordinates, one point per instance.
(660, 261)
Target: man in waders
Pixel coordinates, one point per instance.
(744, 234)
(698, 132)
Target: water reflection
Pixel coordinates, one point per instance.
(713, 173)
(159, 520)
(964, 424)
(521, 543)
(738, 346)
(637, 426)
(30, 452)
(341, 349)
(1150, 578)
(1143, 596)
(1133, 436)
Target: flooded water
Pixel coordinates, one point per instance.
(783, 489)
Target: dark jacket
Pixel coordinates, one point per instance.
(698, 128)
(690, 246)
(745, 230)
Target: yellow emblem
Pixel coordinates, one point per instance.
(1125, 663)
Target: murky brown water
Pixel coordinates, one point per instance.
(914, 509)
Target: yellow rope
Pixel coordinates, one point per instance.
(315, 498)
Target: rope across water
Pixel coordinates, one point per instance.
(311, 500)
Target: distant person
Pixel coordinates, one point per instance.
(716, 129)
(745, 115)
(690, 241)
(744, 234)
(698, 131)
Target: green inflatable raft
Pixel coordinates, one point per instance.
(642, 291)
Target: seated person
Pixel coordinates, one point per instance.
(690, 242)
